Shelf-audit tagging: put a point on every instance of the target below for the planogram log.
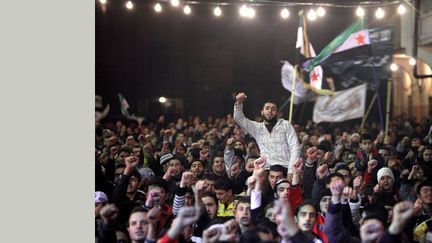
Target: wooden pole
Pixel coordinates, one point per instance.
(367, 112)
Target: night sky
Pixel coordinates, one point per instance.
(200, 59)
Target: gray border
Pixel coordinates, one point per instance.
(47, 60)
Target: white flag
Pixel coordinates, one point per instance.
(343, 105)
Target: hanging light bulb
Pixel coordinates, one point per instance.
(401, 9)
(103, 1)
(311, 15)
(217, 11)
(379, 13)
(251, 12)
(412, 61)
(394, 67)
(175, 3)
(243, 11)
(158, 7)
(129, 5)
(360, 12)
(321, 11)
(187, 10)
(284, 13)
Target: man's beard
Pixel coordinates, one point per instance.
(272, 120)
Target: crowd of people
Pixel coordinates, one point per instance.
(232, 179)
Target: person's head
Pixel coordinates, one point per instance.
(122, 154)
(210, 202)
(351, 157)
(197, 167)
(427, 154)
(306, 216)
(210, 181)
(269, 212)
(345, 171)
(424, 192)
(269, 110)
(366, 142)
(242, 212)
(385, 178)
(164, 161)
(240, 145)
(224, 191)
(281, 189)
(265, 233)
(101, 200)
(137, 151)
(276, 173)
(333, 177)
(160, 187)
(375, 210)
(177, 165)
(138, 224)
(324, 201)
(189, 197)
(372, 220)
(218, 165)
(415, 143)
(385, 154)
(134, 182)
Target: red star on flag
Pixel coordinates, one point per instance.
(313, 76)
(360, 39)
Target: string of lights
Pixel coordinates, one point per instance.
(247, 8)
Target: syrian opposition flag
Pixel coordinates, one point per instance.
(124, 106)
(304, 51)
(353, 36)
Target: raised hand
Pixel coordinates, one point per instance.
(109, 213)
(241, 97)
(312, 153)
(322, 171)
(402, 212)
(372, 164)
(371, 231)
(153, 215)
(287, 227)
(336, 188)
(260, 162)
(229, 231)
(418, 206)
(131, 163)
(186, 179)
(297, 166)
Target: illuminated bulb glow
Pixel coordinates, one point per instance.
(284, 13)
(162, 99)
(217, 11)
(243, 11)
(321, 11)
(187, 10)
(102, 1)
(412, 61)
(129, 5)
(379, 13)
(360, 12)
(175, 3)
(393, 67)
(158, 7)
(251, 13)
(401, 9)
(247, 12)
(311, 15)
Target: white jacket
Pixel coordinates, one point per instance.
(281, 146)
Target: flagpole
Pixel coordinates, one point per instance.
(367, 112)
(292, 94)
(388, 107)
